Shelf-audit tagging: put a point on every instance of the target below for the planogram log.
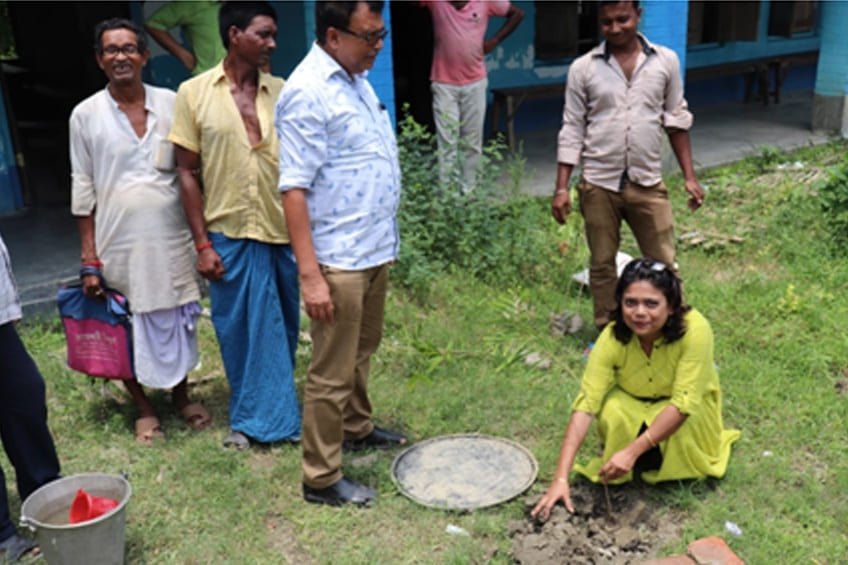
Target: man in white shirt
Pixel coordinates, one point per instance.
(340, 179)
(132, 226)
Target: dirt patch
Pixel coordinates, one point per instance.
(282, 537)
(842, 384)
(588, 537)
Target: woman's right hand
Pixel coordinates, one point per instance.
(559, 490)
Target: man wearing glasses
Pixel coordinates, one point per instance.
(227, 157)
(340, 179)
(125, 195)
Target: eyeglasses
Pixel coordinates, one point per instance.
(129, 49)
(370, 38)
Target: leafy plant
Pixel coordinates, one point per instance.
(449, 222)
(833, 193)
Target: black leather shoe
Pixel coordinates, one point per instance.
(378, 438)
(342, 492)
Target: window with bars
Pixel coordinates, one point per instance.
(565, 30)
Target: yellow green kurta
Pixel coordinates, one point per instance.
(624, 389)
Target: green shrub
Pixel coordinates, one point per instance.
(833, 193)
(484, 230)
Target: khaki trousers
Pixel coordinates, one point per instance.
(647, 210)
(335, 399)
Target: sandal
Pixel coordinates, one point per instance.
(195, 416)
(16, 547)
(148, 430)
(237, 440)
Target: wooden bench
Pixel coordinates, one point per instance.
(780, 67)
(511, 98)
(756, 72)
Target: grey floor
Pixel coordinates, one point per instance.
(721, 134)
(44, 244)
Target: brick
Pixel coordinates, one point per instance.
(675, 560)
(713, 551)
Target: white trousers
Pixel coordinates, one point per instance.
(459, 113)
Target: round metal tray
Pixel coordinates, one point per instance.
(464, 471)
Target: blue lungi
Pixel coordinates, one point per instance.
(256, 314)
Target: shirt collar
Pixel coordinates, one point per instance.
(218, 74)
(148, 106)
(602, 50)
(326, 66)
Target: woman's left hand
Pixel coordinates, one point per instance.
(618, 465)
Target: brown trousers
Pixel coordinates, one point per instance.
(647, 210)
(335, 399)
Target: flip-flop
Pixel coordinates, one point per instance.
(195, 416)
(148, 430)
(237, 440)
(13, 548)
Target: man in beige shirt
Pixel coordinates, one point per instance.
(619, 97)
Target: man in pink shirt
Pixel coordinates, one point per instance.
(458, 76)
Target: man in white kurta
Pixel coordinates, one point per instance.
(132, 226)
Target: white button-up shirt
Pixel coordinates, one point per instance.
(337, 143)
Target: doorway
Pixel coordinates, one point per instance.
(51, 69)
(412, 50)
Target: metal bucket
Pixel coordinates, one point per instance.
(96, 542)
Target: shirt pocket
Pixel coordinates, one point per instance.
(162, 154)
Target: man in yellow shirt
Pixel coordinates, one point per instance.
(227, 153)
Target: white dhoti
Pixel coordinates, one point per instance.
(165, 345)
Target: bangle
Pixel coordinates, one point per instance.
(559, 191)
(650, 439)
(202, 246)
(561, 480)
(90, 271)
(96, 263)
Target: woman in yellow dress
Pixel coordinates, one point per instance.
(652, 384)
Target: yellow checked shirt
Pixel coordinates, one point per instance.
(240, 198)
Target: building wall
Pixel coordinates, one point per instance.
(295, 36)
(163, 69)
(665, 22)
(730, 88)
(830, 101)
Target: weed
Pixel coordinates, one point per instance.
(834, 202)
(482, 230)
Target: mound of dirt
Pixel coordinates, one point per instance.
(588, 537)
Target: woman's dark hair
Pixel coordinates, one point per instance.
(119, 23)
(240, 14)
(337, 15)
(663, 279)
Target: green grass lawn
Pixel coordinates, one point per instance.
(757, 260)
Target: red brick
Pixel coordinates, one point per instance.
(713, 551)
(675, 560)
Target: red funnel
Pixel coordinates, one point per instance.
(87, 507)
